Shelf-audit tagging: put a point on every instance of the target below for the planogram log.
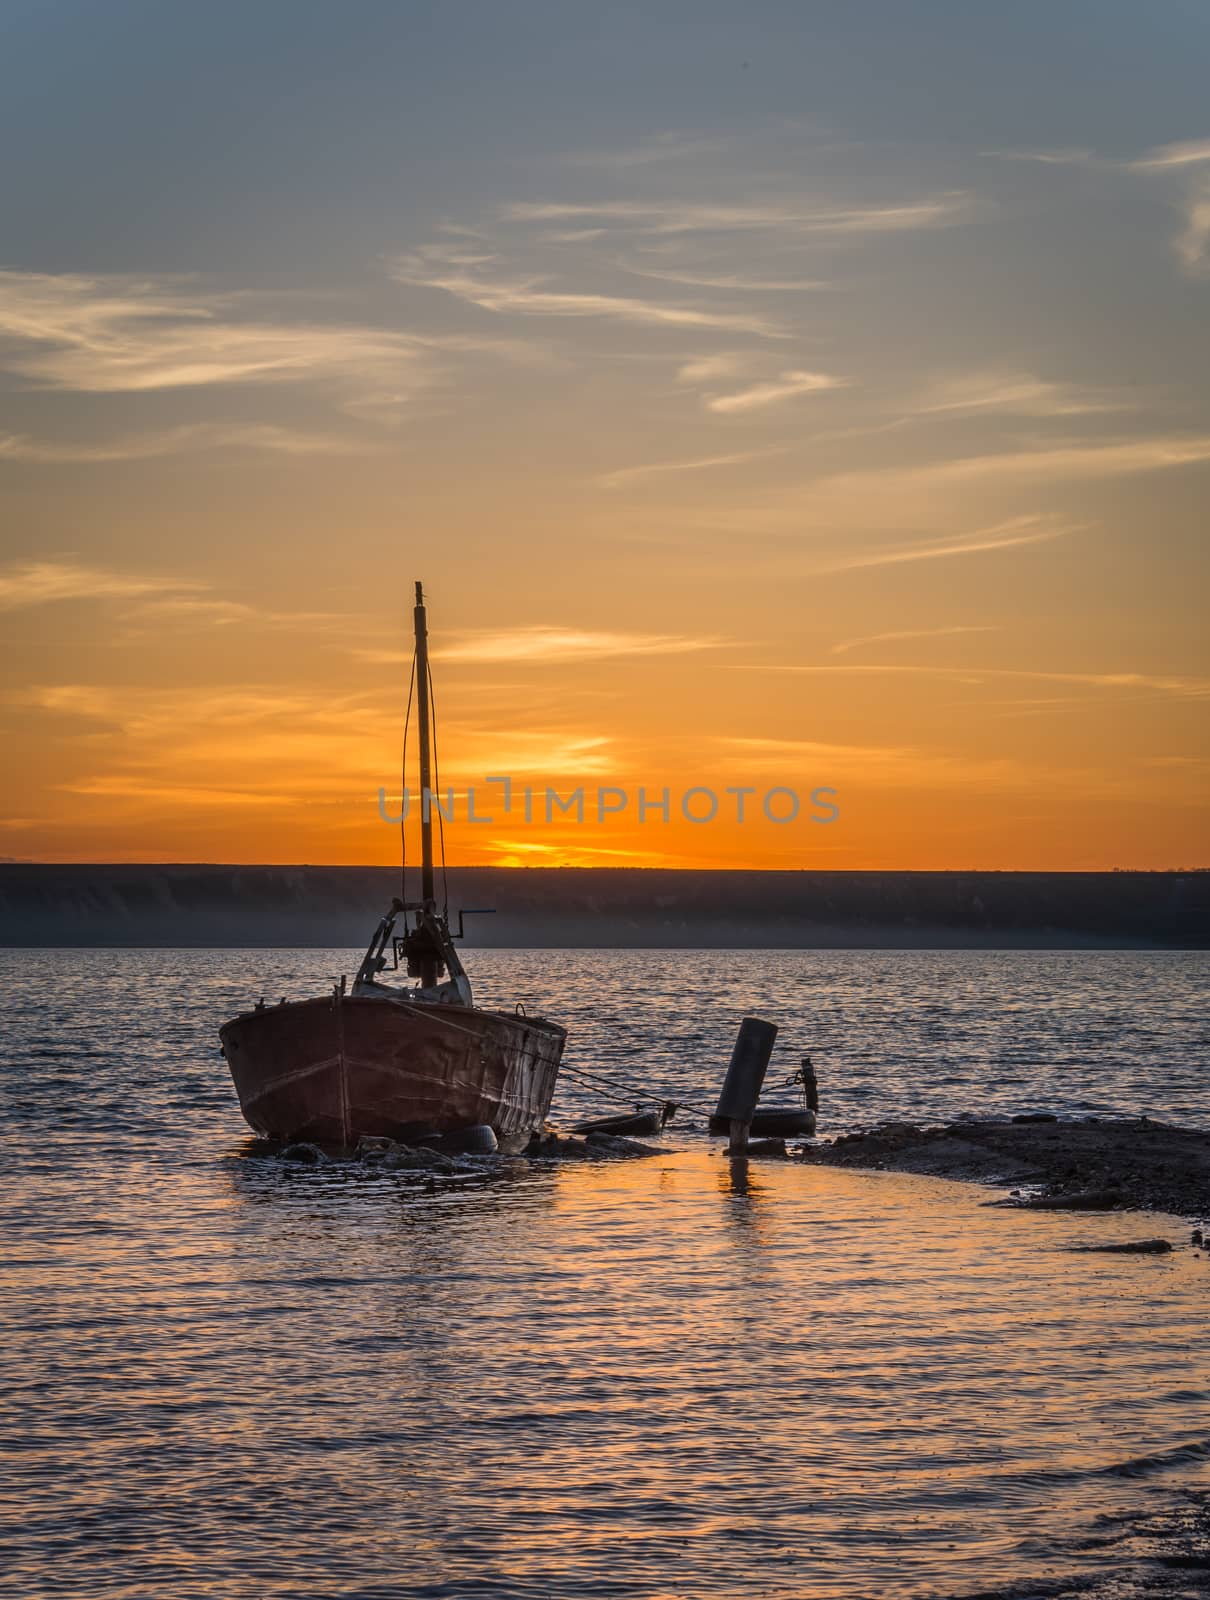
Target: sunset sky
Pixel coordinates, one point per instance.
(771, 395)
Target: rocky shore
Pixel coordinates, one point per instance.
(1089, 1164)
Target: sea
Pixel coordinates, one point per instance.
(227, 1375)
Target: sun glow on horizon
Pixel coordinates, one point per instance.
(867, 450)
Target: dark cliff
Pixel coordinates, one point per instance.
(338, 906)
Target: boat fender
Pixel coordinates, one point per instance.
(477, 1141)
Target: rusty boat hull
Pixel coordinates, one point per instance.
(333, 1069)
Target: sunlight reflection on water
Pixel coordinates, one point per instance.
(228, 1376)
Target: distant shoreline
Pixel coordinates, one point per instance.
(173, 905)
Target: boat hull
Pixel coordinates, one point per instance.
(331, 1070)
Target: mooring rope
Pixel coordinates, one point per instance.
(445, 882)
(630, 1094)
(403, 789)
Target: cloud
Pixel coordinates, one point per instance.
(1192, 241)
(1187, 153)
(890, 764)
(786, 216)
(127, 335)
(1042, 465)
(1014, 393)
(182, 610)
(624, 475)
(760, 395)
(1003, 536)
(177, 441)
(543, 643)
(527, 297)
(201, 748)
(37, 583)
(728, 280)
(906, 633)
(157, 601)
(1070, 157)
(658, 147)
(1182, 158)
(192, 795)
(1183, 688)
(1185, 158)
(709, 369)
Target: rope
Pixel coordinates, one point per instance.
(403, 789)
(633, 1089)
(630, 1094)
(445, 883)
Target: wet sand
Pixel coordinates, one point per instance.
(1087, 1165)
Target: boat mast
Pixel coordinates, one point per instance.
(426, 773)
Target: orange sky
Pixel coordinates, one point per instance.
(865, 450)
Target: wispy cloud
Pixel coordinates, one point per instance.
(529, 297)
(156, 600)
(1041, 465)
(1008, 535)
(622, 476)
(38, 583)
(1186, 158)
(890, 764)
(124, 334)
(1185, 153)
(906, 633)
(176, 441)
(727, 280)
(789, 386)
(787, 216)
(1071, 156)
(1192, 241)
(713, 369)
(659, 147)
(182, 610)
(1014, 393)
(1182, 687)
(323, 745)
(542, 643)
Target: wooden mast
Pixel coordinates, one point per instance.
(426, 769)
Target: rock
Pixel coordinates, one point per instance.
(306, 1155)
(1128, 1162)
(555, 1146)
(1035, 1116)
(611, 1144)
(1132, 1247)
(404, 1158)
(1083, 1200)
(371, 1144)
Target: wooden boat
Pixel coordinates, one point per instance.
(405, 1062)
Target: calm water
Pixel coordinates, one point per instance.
(228, 1376)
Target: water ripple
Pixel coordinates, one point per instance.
(223, 1375)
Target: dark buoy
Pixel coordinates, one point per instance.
(639, 1122)
(774, 1122)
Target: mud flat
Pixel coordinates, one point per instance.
(1087, 1164)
